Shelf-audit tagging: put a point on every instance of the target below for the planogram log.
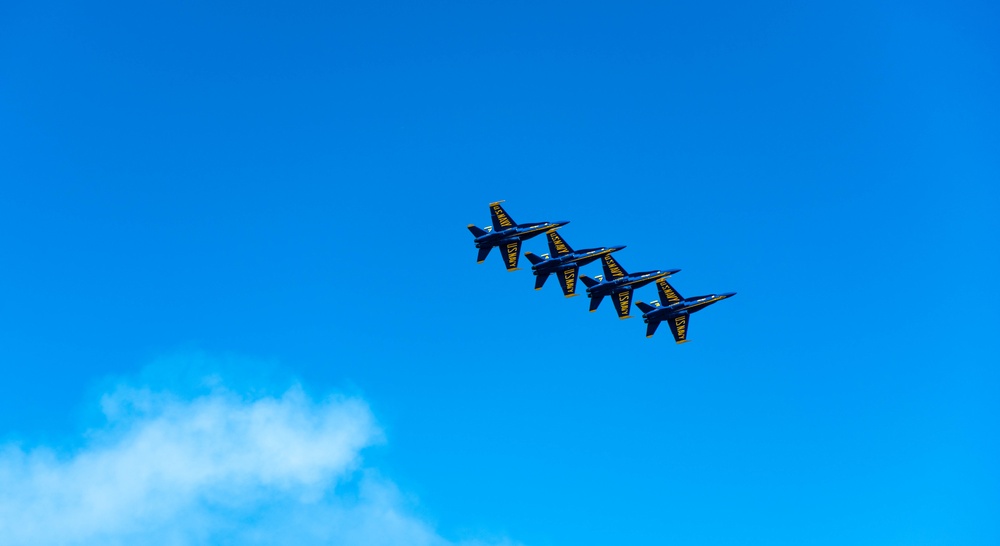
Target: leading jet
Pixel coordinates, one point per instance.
(564, 261)
(507, 235)
(618, 283)
(675, 310)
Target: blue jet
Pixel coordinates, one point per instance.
(675, 309)
(564, 261)
(618, 283)
(507, 235)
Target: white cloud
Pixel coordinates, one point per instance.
(216, 468)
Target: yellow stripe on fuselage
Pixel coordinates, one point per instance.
(701, 303)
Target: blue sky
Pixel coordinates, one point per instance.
(276, 195)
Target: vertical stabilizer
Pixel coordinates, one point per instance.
(540, 280)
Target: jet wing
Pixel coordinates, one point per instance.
(512, 251)
(623, 303)
(501, 220)
(679, 327)
(612, 269)
(568, 282)
(557, 245)
(668, 296)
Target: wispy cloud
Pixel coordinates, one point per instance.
(220, 467)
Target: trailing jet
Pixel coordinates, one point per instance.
(564, 261)
(618, 283)
(675, 309)
(507, 235)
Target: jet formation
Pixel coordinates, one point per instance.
(565, 263)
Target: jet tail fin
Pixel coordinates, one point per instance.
(535, 260)
(644, 307)
(476, 231)
(588, 281)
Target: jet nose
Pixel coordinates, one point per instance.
(617, 248)
(561, 224)
(727, 295)
(672, 271)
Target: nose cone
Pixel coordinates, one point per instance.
(727, 295)
(672, 271)
(617, 248)
(560, 224)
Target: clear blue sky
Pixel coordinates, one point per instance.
(288, 185)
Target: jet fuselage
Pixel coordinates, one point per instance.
(630, 281)
(684, 307)
(573, 259)
(520, 232)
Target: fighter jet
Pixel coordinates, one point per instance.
(564, 261)
(507, 235)
(675, 310)
(619, 284)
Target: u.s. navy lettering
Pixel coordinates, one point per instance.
(623, 301)
(570, 277)
(501, 217)
(613, 267)
(559, 244)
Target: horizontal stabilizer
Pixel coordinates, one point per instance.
(535, 260)
(644, 307)
(594, 301)
(651, 327)
(588, 281)
(539, 279)
(484, 251)
(477, 231)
